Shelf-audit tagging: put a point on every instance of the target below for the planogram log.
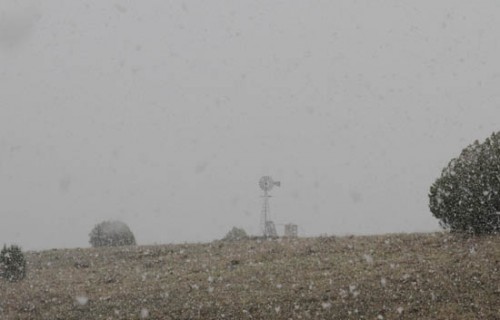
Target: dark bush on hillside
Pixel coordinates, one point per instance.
(466, 198)
(111, 233)
(235, 234)
(12, 263)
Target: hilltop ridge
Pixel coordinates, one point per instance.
(398, 276)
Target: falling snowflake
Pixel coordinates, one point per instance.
(144, 313)
(472, 250)
(368, 258)
(82, 300)
(383, 282)
(353, 291)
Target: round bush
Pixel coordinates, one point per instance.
(111, 233)
(466, 197)
(12, 263)
(235, 234)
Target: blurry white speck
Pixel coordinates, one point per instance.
(82, 300)
(383, 282)
(343, 294)
(201, 167)
(353, 291)
(120, 8)
(400, 310)
(472, 250)
(144, 313)
(368, 258)
(326, 305)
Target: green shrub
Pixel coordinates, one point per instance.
(466, 198)
(235, 234)
(111, 233)
(12, 263)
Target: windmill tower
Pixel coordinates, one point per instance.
(268, 229)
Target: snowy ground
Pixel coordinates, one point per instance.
(414, 276)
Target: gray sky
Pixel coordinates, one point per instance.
(165, 114)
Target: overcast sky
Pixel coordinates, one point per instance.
(165, 114)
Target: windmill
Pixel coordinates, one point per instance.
(266, 183)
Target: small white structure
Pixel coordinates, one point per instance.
(291, 230)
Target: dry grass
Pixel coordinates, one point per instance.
(408, 276)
